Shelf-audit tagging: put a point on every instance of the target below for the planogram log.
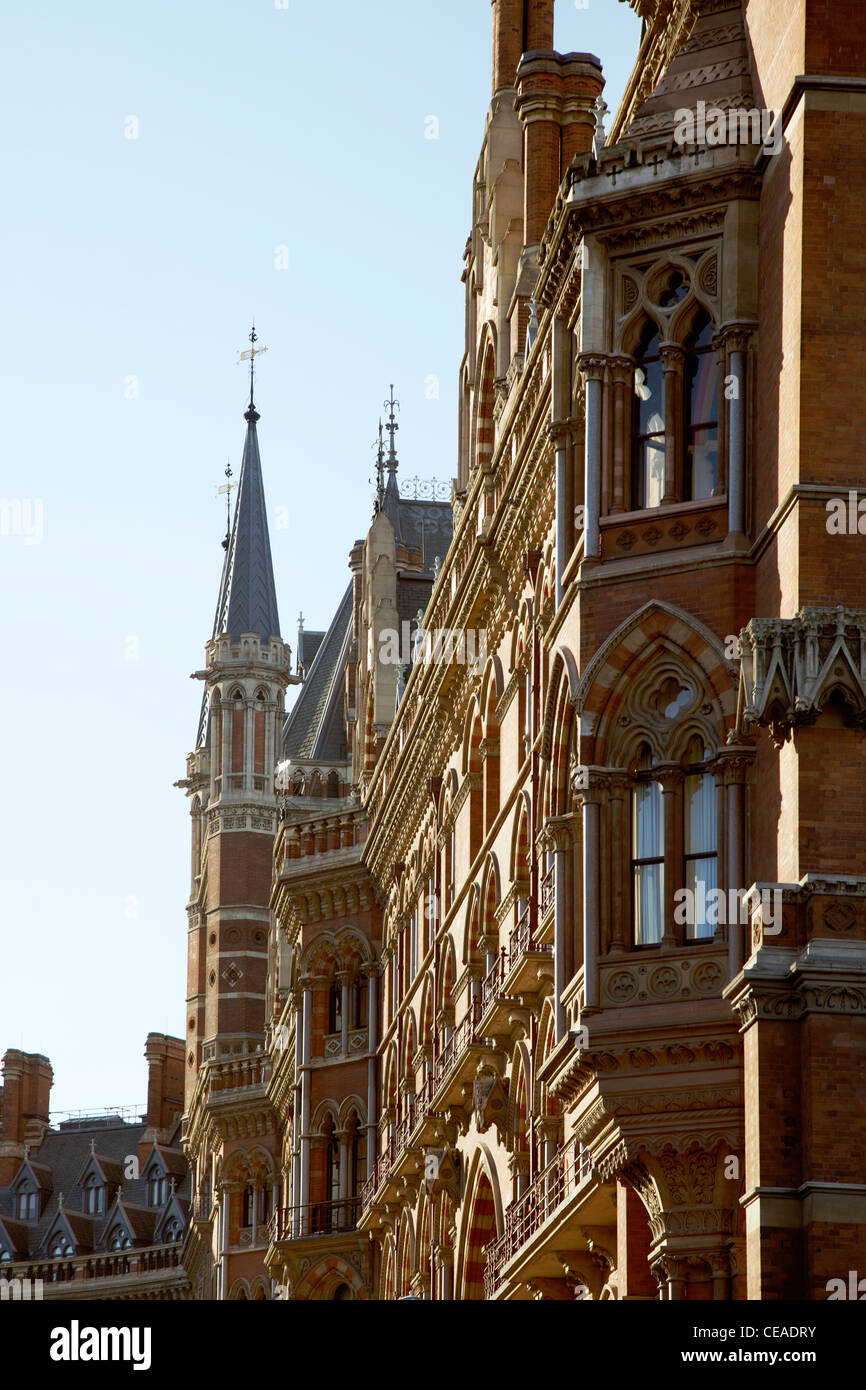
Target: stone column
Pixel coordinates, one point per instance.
(736, 338)
(592, 368)
(343, 978)
(589, 800)
(671, 777)
(673, 356)
(622, 371)
(560, 433)
(308, 984)
(371, 970)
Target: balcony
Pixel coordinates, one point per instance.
(457, 1062)
(569, 1170)
(137, 1272)
(315, 1219)
(527, 964)
(547, 897)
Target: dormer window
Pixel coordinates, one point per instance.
(94, 1196)
(119, 1240)
(5, 1257)
(61, 1247)
(157, 1189)
(28, 1205)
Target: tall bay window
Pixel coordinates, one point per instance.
(648, 849)
(701, 405)
(648, 423)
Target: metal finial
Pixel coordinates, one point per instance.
(250, 356)
(227, 488)
(392, 428)
(380, 469)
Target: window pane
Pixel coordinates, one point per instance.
(700, 795)
(701, 879)
(649, 386)
(648, 893)
(649, 838)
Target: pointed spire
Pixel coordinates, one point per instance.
(248, 598)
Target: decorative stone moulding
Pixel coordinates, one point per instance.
(791, 667)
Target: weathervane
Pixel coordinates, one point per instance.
(250, 356)
(392, 427)
(227, 488)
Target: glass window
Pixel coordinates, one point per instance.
(28, 1206)
(701, 850)
(648, 841)
(701, 403)
(648, 423)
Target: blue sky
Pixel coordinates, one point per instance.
(131, 270)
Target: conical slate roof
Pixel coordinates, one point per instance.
(248, 598)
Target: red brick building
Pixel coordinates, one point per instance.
(554, 985)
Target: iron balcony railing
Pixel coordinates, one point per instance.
(548, 887)
(314, 1219)
(463, 1036)
(568, 1169)
(521, 942)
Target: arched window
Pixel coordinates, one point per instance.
(700, 841)
(119, 1240)
(701, 407)
(157, 1189)
(333, 784)
(61, 1247)
(5, 1257)
(28, 1204)
(316, 784)
(648, 423)
(94, 1196)
(648, 849)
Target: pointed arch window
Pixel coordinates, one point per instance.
(701, 406)
(61, 1246)
(648, 849)
(94, 1195)
(648, 423)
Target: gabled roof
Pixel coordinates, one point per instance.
(171, 1161)
(80, 1228)
(309, 732)
(14, 1236)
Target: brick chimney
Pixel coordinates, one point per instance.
(555, 96)
(518, 26)
(165, 1080)
(27, 1078)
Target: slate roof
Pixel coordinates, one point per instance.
(64, 1156)
(310, 731)
(247, 599)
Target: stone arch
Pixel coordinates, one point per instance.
(620, 662)
(485, 398)
(483, 1222)
(322, 1279)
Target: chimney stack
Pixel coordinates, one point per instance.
(518, 27)
(555, 96)
(27, 1078)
